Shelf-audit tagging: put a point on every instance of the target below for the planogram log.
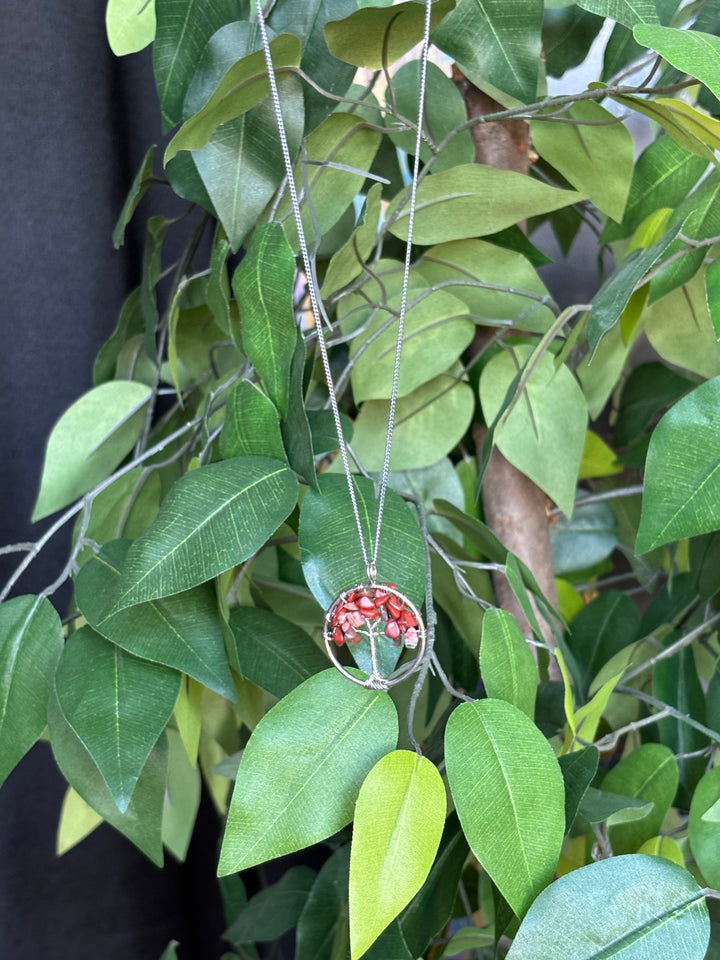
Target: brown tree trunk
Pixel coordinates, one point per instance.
(514, 506)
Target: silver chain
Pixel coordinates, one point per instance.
(317, 310)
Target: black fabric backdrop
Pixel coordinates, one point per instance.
(75, 124)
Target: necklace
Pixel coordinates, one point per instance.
(368, 610)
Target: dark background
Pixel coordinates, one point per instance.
(76, 122)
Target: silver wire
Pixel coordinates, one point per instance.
(316, 305)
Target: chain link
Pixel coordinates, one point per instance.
(318, 311)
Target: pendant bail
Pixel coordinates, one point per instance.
(371, 572)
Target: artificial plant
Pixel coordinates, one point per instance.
(547, 787)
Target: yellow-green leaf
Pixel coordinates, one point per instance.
(130, 25)
(77, 821)
(399, 818)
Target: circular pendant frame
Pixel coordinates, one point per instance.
(369, 611)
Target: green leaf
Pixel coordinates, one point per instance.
(496, 42)
(705, 832)
(189, 542)
(626, 12)
(197, 347)
(621, 50)
(170, 951)
(437, 330)
(473, 200)
(347, 263)
(594, 153)
(705, 562)
(567, 35)
(139, 185)
(324, 756)
(432, 907)
(31, 641)
(218, 285)
(142, 821)
(429, 423)
(508, 792)
(682, 475)
(671, 605)
(272, 652)
(605, 626)
(129, 324)
(649, 773)
(130, 25)
(183, 631)
(243, 86)
(296, 432)
(506, 662)
(583, 540)
(614, 295)
(712, 290)
(135, 491)
(121, 714)
(441, 480)
(681, 331)
(263, 284)
(307, 20)
(376, 35)
(322, 429)
(322, 929)
(390, 944)
(182, 800)
(183, 175)
(274, 910)
(444, 111)
(238, 165)
(88, 441)
(676, 683)
(544, 434)
(650, 389)
(183, 29)
(665, 173)
(578, 770)
(399, 819)
(603, 911)
(470, 938)
(155, 230)
(700, 221)
(600, 805)
(485, 541)
(251, 427)
(188, 716)
(513, 238)
(341, 139)
(517, 578)
(483, 275)
(697, 54)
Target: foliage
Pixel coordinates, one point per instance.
(213, 525)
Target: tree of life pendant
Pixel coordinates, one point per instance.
(377, 612)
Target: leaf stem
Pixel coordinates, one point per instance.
(669, 711)
(615, 494)
(35, 548)
(674, 648)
